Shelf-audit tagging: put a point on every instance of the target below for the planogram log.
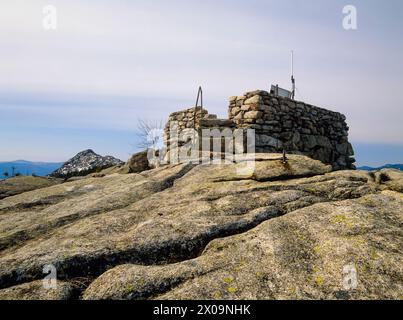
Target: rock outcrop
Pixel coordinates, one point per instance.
(306, 254)
(16, 185)
(213, 231)
(84, 163)
(36, 291)
(138, 162)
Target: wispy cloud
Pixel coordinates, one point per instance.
(110, 62)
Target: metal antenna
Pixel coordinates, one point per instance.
(292, 76)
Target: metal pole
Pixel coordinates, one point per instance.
(199, 96)
(292, 76)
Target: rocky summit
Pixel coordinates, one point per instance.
(84, 163)
(294, 230)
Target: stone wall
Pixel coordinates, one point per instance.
(280, 123)
(193, 118)
(185, 119)
(188, 118)
(295, 126)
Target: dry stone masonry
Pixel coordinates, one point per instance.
(188, 118)
(279, 123)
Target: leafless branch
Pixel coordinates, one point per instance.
(149, 133)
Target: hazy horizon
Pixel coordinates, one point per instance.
(108, 64)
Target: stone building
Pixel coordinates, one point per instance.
(279, 124)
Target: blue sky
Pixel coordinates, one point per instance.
(110, 63)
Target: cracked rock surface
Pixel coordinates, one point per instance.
(279, 231)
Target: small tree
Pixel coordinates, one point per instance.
(150, 134)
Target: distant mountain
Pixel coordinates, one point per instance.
(84, 163)
(386, 166)
(28, 168)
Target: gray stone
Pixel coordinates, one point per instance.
(342, 148)
(245, 108)
(235, 111)
(296, 137)
(264, 140)
(323, 142)
(288, 124)
(253, 115)
(253, 100)
(309, 141)
(239, 116)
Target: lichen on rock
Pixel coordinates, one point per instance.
(191, 231)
